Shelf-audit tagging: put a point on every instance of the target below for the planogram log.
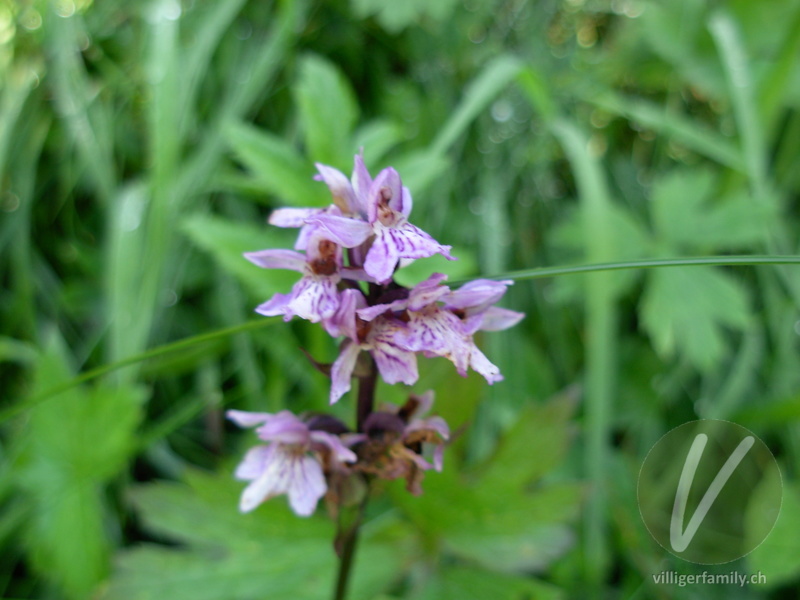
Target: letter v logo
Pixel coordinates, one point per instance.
(678, 539)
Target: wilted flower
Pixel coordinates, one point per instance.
(290, 464)
(395, 441)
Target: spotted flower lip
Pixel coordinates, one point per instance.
(395, 363)
(290, 462)
(441, 322)
(315, 296)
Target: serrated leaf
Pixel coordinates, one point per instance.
(276, 167)
(226, 241)
(70, 446)
(269, 553)
(686, 216)
(685, 311)
(328, 111)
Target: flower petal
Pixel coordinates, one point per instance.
(306, 486)
(342, 370)
(332, 442)
(284, 428)
(277, 259)
(477, 294)
(343, 195)
(277, 305)
(386, 187)
(293, 217)
(396, 364)
(342, 230)
(314, 298)
(254, 463)
(497, 319)
(244, 418)
(402, 241)
(482, 365)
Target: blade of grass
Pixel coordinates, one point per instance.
(647, 263)
(131, 360)
(494, 77)
(691, 134)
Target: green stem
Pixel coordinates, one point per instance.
(349, 540)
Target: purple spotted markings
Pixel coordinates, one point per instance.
(346, 255)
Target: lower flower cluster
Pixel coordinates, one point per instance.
(315, 457)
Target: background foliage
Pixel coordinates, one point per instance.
(142, 146)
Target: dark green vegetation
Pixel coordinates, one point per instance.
(142, 145)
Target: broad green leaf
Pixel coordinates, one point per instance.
(687, 216)
(467, 583)
(276, 167)
(685, 311)
(226, 241)
(535, 444)
(269, 553)
(70, 446)
(328, 111)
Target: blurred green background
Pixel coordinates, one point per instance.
(142, 146)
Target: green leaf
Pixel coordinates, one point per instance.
(276, 167)
(328, 111)
(69, 448)
(535, 444)
(684, 216)
(467, 583)
(269, 553)
(226, 241)
(684, 312)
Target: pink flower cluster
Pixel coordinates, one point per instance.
(347, 254)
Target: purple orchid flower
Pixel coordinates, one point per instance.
(290, 464)
(388, 205)
(441, 322)
(378, 337)
(349, 201)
